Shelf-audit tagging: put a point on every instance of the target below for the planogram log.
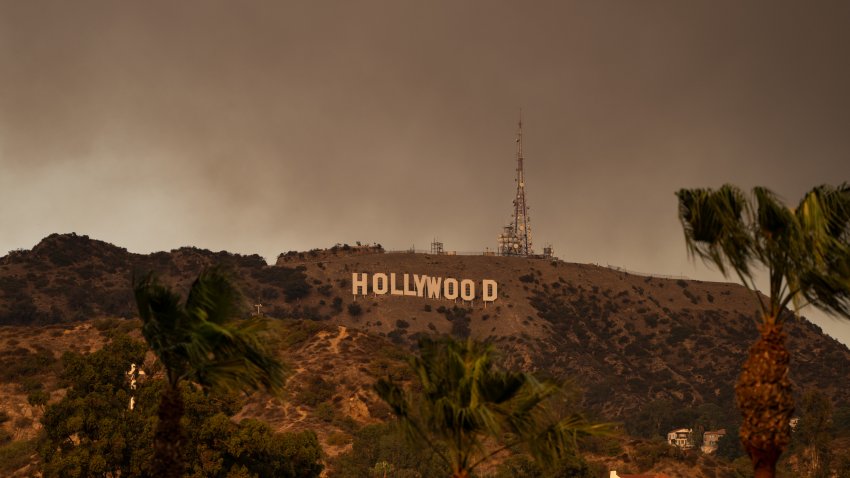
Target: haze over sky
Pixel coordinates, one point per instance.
(262, 127)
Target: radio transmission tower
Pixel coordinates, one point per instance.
(515, 239)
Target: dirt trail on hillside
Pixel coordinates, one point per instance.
(343, 333)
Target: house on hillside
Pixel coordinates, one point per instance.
(642, 475)
(710, 439)
(681, 438)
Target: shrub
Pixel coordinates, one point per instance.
(649, 453)
(354, 309)
(460, 321)
(20, 364)
(105, 324)
(325, 412)
(15, 455)
(338, 439)
(397, 336)
(38, 398)
(292, 281)
(316, 390)
(651, 320)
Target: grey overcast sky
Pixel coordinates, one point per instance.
(262, 127)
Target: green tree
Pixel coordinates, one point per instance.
(466, 410)
(814, 434)
(380, 447)
(729, 445)
(199, 341)
(841, 421)
(224, 448)
(91, 432)
(38, 398)
(806, 254)
(521, 466)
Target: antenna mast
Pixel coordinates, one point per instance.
(515, 240)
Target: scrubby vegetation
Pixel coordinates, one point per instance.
(92, 431)
(382, 448)
(466, 410)
(645, 351)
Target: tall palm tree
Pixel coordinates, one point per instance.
(468, 410)
(806, 255)
(199, 341)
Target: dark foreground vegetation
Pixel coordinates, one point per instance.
(92, 431)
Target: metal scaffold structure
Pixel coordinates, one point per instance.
(515, 239)
(436, 247)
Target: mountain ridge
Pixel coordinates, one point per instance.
(650, 337)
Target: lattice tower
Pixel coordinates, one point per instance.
(515, 240)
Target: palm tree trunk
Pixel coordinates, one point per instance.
(169, 438)
(764, 397)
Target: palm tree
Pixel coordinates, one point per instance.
(468, 411)
(806, 254)
(198, 341)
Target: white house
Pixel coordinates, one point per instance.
(681, 438)
(710, 439)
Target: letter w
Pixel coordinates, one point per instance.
(434, 287)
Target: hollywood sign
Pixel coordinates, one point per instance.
(416, 285)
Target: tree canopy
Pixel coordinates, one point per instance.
(200, 341)
(467, 410)
(805, 253)
(92, 431)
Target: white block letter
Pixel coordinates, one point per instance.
(359, 285)
(394, 290)
(450, 288)
(467, 290)
(490, 290)
(407, 289)
(434, 287)
(419, 282)
(379, 283)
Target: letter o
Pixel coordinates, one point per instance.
(450, 289)
(467, 290)
(380, 284)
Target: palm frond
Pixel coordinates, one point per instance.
(200, 339)
(162, 323)
(824, 218)
(214, 297)
(715, 227)
(806, 252)
(466, 402)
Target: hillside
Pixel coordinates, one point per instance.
(640, 337)
(627, 341)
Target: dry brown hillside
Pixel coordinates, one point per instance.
(626, 340)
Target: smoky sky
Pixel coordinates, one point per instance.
(262, 127)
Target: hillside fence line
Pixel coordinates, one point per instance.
(643, 274)
(494, 253)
